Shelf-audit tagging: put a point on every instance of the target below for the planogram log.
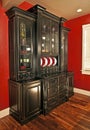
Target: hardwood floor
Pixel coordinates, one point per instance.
(72, 115)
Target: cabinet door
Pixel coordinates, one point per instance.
(70, 84)
(64, 48)
(21, 47)
(32, 98)
(62, 88)
(45, 35)
(25, 50)
(54, 46)
(50, 93)
(25, 45)
(52, 99)
(49, 36)
(52, 87)
(49, 39)
(15, 92)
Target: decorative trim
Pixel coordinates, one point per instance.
(4, 112)
(81, 91)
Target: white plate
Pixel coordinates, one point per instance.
(55, 61)
(43, 61)
(50, 61)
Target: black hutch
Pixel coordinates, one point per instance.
(39, 78)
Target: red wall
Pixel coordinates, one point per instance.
(75, 51)
(4, 64)
(25, 5)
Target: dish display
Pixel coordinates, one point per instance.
(48, 61)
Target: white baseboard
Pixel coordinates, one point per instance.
(4, 112)
(81, 91)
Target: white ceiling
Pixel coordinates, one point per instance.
(61, 8)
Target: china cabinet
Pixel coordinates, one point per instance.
(39, 78)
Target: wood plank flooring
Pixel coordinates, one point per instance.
(72, 115)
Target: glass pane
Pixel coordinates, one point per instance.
(45, 35)
(22, 33)
(24, 62)
(25, 54)
(54, 37)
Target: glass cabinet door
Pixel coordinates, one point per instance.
(54, 38)
(49, 36)
(45, 35)
(25, 45)
(63, 51)
(49, 45)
